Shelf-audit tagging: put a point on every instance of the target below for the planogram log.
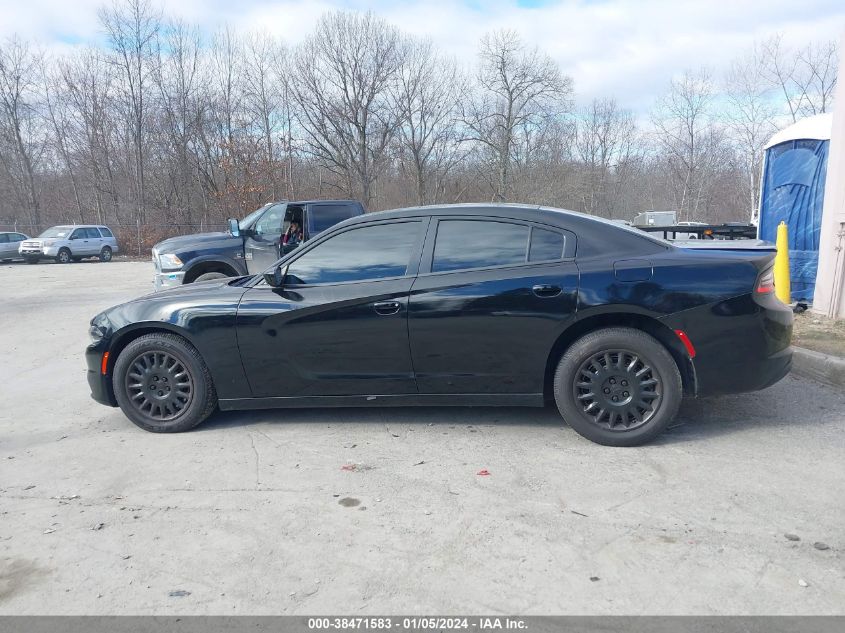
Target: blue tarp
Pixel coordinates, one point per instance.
(793, 192)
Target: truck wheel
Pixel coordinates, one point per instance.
(210, 276)
(105, 254)
(64, 256)
(162, 384)
(618, 387)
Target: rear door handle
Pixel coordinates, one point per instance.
(387, 307)
(546, 290)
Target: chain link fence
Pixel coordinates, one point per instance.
(134, 240)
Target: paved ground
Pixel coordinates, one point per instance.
(252, 513)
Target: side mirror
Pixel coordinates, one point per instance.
(234, 227)
(276, 277)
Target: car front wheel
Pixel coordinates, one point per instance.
(64, 256)
(618, 387)
(162, 384)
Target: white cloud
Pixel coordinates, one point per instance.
(626, 48)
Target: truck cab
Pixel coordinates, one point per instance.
(250, 246)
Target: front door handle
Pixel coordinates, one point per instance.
(387, 307)
(546, 290)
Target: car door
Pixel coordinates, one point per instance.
(338, 326)
(78, 243)
(261, 243)
(95, 240)
(491, 298)
(6, 245)
(15, 240)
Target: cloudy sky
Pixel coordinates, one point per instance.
(624, 48)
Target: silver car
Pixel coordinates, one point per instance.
(70, 243)
(9, 243)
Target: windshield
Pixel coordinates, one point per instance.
(57, 231)
(250, 219)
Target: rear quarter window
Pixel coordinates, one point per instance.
(105, 232)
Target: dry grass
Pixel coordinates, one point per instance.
(819, 333)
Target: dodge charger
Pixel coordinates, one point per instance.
(457, 305)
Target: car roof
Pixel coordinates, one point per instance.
(313, 201)
(587, 227)
(79, 226)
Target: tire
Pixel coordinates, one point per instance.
(633, 395)
(143, 374)
(64, 256)
(210, 276)
(105, 254)
(31, 260)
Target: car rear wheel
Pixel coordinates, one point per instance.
(162, 384)
(618, 387)
(210, 276)
(64, 256)
(105, 254)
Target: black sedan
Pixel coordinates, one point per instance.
(455, 305)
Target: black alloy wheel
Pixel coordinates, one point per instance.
(618, 389)
(159, 385)
(162, 383)
(618, 386)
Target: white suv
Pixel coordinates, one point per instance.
(70, 243)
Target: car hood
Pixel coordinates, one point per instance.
(184, 243)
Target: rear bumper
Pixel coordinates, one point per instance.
(101, 389)
(741, 345)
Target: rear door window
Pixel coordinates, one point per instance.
(464, 244)
(4, 238)
(93, 233)
(325, 216)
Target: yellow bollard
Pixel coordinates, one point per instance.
(783, 291)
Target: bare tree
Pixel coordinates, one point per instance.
(21, 140)
(344, 75)
(519, 90)
(264, 83)
(805, 78)
(751, 117)
(133, 27)
(605, 138)
(177, 75)
(86, 94)
(690, 141)
(426, 98)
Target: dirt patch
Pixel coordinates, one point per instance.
(819, 333)
(16, 575)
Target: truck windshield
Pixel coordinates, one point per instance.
(324, 216)
(249, 220)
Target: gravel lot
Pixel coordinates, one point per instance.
(253, 513)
